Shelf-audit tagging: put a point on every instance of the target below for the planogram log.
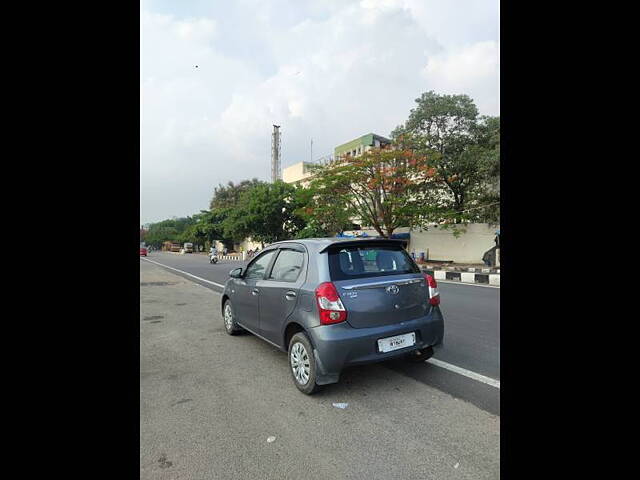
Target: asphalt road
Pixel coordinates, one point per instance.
(209, 403)
(472, 331)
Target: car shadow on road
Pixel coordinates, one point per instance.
(374, 379)
(363, 380)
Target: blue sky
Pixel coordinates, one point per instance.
(329, 70)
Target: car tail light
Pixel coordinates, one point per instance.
(434, 294)
(330, 306)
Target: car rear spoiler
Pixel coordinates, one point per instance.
(364, 241)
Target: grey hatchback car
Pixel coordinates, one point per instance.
(335, 302)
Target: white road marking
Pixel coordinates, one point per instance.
(439, 363)
(186, 273)
(467, 373)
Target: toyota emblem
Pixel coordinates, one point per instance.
(392, 289)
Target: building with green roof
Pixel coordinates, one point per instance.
(360, 145)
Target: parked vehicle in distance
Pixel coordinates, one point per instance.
(335, 302)
(188, 247)
(144, 251)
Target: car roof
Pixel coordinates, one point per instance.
(321, 244)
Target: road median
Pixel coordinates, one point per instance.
(483, 277)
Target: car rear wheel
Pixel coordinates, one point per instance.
(230, 325)
(419, 356)
(302, 364)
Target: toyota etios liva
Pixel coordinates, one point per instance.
(332, 303)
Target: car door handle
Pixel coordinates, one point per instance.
(255, 291)
(290, 295)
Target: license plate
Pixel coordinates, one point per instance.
(390, 344)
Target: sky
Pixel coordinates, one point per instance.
(327, 70)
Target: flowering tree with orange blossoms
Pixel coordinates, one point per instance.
(382, 188)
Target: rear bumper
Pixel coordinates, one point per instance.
(338, 346)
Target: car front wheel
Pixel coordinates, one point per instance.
(230, 325)
(302, 363)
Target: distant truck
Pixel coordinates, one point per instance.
(188, 247)
(171, 247)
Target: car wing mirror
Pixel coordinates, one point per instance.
(236, 273)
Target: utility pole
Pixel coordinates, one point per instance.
(311, 159)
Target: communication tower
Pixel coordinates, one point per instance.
(276, 171)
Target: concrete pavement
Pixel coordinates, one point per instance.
(208, 403)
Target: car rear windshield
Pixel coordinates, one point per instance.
(369, 261)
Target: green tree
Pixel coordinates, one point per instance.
(219, 224)
(464, 149)
(193, 234)
(266, 213)
(158, 234)
(322, 215)
(170, 230)
(228, 196)
(489, 188)
(208, 227)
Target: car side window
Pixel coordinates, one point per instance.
(257, 269)
(287, 266)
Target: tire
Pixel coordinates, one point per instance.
(419, 356)
(301, 352)
(230, 325)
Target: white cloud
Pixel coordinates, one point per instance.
(332, 71)
(474, 70)
(200, 27)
